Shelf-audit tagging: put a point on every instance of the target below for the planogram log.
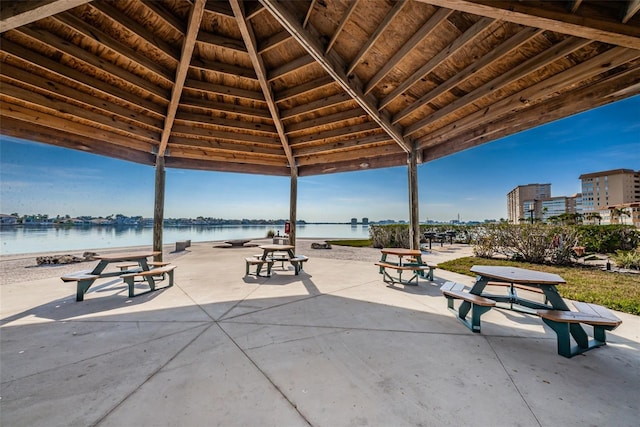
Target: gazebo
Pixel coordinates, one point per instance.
(307, 87)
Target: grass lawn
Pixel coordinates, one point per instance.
(364, 243)
(618, 291)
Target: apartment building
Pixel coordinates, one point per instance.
(556, 206)
(609, 188)
(525, 202)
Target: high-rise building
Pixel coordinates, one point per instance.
(525, 202)
(609, 188)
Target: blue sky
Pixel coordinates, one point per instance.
(473, 184)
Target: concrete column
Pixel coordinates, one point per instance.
(158, 211)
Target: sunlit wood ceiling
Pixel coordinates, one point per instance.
(310, 87)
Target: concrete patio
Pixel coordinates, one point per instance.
(333, 346)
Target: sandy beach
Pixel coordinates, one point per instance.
(23, 267)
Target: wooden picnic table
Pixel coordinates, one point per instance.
(414, 264)
(86, 278)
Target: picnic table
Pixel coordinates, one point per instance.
(554, 310)
(413, 264)
(288, 254)
(86, 278)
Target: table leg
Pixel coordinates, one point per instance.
(478, 287)
(558, 303)
(264, 258)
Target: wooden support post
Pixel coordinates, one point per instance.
(414, 217)
(293, 202)
(158, 211)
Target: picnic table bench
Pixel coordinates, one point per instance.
(148, 275)
(479, 304)
(561, 321)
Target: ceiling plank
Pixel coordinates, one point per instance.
(330, 101)
(187, 130)
(304, 88)
(93, 33)
(290, 67)
(424, 32)
(612, 88)
(127, 78)
(17, 13)
(189, 43)
(331, 119)
(343, 132)
(372, 140)
(495, 54)
(633, 6)
(216, 40)
(210, 106)
(537, 93)
(72, 77)
(216, 89)
(261, 72)
(467, 37)
(335, 70)
(373, 38)
(541, 60)
(550, 17)
(343, 22)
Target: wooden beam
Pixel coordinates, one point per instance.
(17, 14)
(541, 60)
(208, 133)
(74, 78)
(343, 22)
(54, 106)
(304, 88)
(308, 15)
(334, 68)
(237, 146)
(29, 130)
(195, 17)
(207, 119)
(227, 166)
(320, 104)
(358, 164)
(261, 72)
(54, 90)
(357, 145)
(290, 67)
(612, 88)
(127, 78)
(552, 17)
(274, 41)
(216, 40)
(331, 119)
(424, 32)
(217, 89)
(371, 40)
(633, 6)
(575, 4)
(359, 155)
(495, 54)
(467, 37)
(343, 133)
(524, 99)
(223, 107)
(414, 215)
(97, 36)
(158, 207)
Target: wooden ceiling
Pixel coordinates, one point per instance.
(305, 87)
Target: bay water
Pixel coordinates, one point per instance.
(32, 239)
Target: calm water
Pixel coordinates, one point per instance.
(24, 240)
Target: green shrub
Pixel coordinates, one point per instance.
(608, 238)
(627, 259)
(271, 234)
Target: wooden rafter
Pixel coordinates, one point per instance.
(376, 35)
(309, 12)
(343, 22)
(551, 17)
(22, 13)
(532, 95)
(547, 57)
(468, 36)
(252, 47)
(438, 17)
(188, 45)
(575, 4)
(501, 51)
(633, 6)
(335, 69)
